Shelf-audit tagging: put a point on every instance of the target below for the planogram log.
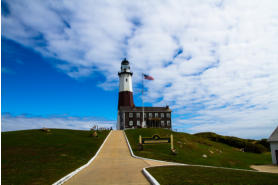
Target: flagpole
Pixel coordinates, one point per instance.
(143, 121)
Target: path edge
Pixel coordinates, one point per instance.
(71, 174)
(151, 179)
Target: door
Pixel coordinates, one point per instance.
(276, 155)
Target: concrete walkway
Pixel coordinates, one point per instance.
(114, 165)
(266, 168)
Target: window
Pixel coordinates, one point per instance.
(168, 115)
(138, 115)
(168, 122)
(162, 115)
(150, 115)
(131, 115)
(145, 115)
(138, 122)
(156, 115)
(130, 123)
(162, 123)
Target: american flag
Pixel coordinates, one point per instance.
(147, 77)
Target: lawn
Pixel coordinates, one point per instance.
(37, 157)
(207, 176)
(191, 148)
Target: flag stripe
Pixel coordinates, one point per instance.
(147, 77)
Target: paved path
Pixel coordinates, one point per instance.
(114, 165)
(266, 168)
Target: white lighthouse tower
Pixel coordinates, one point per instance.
(125, 77)
(125, 92)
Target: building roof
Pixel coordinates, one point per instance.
(125, 62)
(274, 135)
(147, 109)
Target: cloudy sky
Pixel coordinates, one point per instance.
(215, 62)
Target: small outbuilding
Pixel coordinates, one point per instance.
(273, 140)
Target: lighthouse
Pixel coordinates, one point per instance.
(130, 116)
(125, 91)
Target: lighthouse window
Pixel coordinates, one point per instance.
(126, 79)
(138, 122)
(162, 123)
(168, 115)
(162, 115)
(138, 115)
(168, 122)
(131, 115)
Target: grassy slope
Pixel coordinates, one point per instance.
(207, 176)
(36, 157)
(190, 149)
(256, 146)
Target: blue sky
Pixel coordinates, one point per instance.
(31, 85)
(214, 62)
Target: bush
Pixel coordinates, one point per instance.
(265, 143)
(247, 145)
(255, 148)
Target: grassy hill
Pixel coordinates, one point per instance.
(191, 149)
(247, 145)
(189, 175)
(37, 157)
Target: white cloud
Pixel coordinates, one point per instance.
(24, 122)
(226, 74)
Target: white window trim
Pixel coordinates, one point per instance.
(156, 115)
(130, 123)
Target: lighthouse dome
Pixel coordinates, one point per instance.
(125, 62)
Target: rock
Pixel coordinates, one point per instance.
(95, 134)
(174, 152)
(140, 147)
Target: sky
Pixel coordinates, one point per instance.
(215, 63)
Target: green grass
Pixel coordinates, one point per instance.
(36, 157)
(190, 149)
(207, 176)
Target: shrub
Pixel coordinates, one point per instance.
(255, 148)
(265, 143)
(247, 145)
